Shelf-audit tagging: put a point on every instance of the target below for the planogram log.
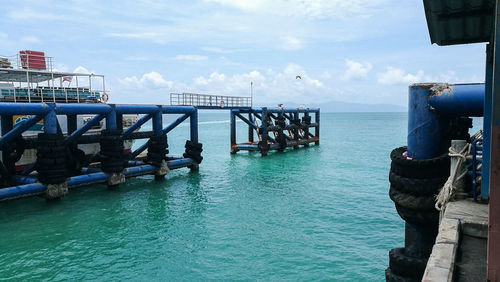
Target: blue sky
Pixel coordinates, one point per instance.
(352, 51)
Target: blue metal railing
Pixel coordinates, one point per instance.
(27, 185)
(476, 168)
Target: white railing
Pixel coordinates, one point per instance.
(211, 101)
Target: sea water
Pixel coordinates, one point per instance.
(316, 213)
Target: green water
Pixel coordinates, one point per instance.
(315, 213)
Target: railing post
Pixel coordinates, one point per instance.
(316, 129)
(264, 147)
(250, 128)
(50, 120)
(157, 123)
(7, 125)
(193, 123)
(306, 130)
(233, 131)
(296, 131)
(71, 122)
(111, 119)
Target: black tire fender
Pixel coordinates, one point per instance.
(406, 266)
(412, 201)
(417, 186)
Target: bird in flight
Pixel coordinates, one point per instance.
(298, 77)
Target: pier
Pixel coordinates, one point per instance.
(61, 165)
(275, 128)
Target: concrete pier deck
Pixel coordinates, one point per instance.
(459, 253)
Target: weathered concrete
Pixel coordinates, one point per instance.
(464, 217)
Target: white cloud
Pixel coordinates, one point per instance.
(315, 9)
(148, 80)
(356, 70)
(290, 43)
(398, 76)
(81, 69)
(269, 86)
(394, 75)
(30, 39)
(216, 50)
(192, 58)
(30, 14)
(132, 58)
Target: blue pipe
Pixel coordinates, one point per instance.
(50, 121)
(178, 109)
(136, 125)
(139, 170)
(23, 108)
(111, 119)
(21, 191)
(157, 122)
(487, 122)
(174, 164)
(278, 110)
(86, 127)
(425, 128)
(247, 147)
(460, 100)
(33, 188)
(193, 122)
(136, 109)
(166, 130)
(178, 121)
(431, 105)
(19, 129)
(79, 109)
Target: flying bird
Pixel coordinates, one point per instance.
(298, 77)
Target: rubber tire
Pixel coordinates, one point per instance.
(155, 156)
(193, 145)
(51, 161)
(421, 173)
(420, 203)
(416, 217)
(113, 169)
(107, 133)
(397, 157)
(403, 265)
(392, 277)
(197, 158)
(416, 186)
(49, 136)
(52, 180)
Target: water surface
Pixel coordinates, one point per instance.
(316, 213)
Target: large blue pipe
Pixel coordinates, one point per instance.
(460, 100)
(431, 105)
(31, 187)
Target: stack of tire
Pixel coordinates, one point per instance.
(157, 150)
(193, 151)
(306, 121)
(51, 158)
(296, 130)
(281, 138)
(414, 184)
(111, 155)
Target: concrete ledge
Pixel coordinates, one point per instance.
(442, 260)
(461, 217)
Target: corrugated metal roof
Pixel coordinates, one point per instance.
(453, 22)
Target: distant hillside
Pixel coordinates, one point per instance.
(352, 107)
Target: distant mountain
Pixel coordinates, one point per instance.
(335, 106)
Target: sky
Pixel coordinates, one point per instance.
(350, 51)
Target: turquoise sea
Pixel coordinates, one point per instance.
(317, 213)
